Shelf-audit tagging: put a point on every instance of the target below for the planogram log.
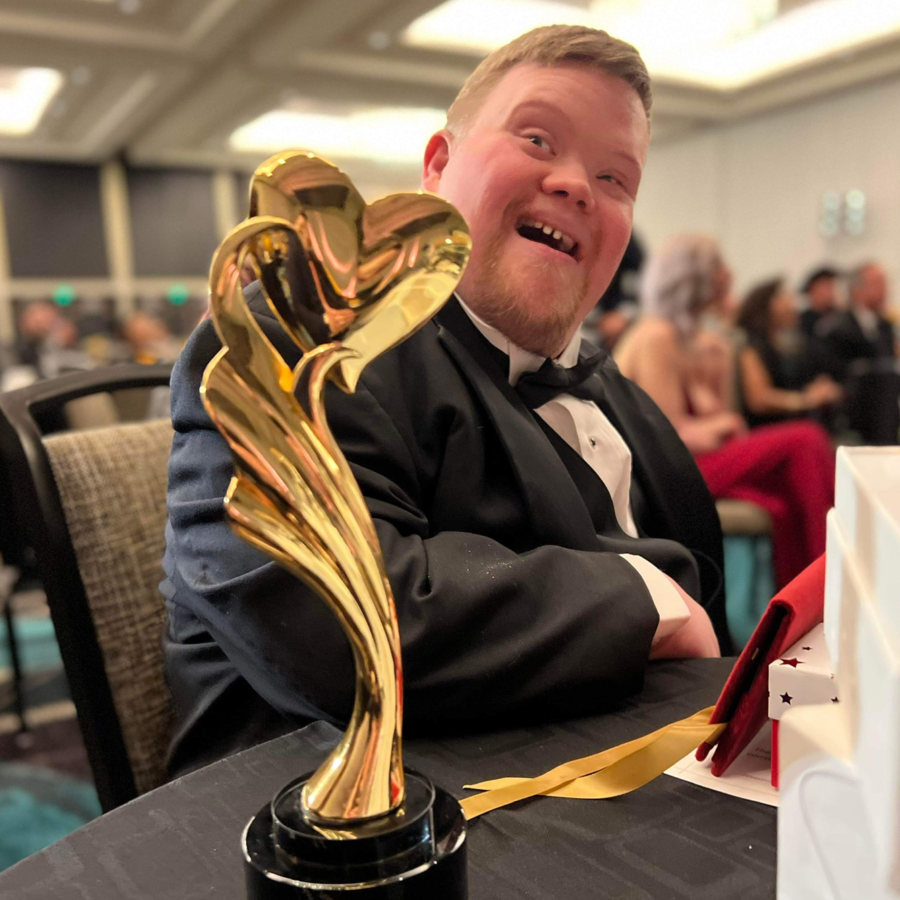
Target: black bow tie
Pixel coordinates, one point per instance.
(552, 379)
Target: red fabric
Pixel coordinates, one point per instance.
(744, 701)
(788, 470)
(775, 724)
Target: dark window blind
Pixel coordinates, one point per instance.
(54, 220)
(173, 222)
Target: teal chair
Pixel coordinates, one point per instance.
(749, 579)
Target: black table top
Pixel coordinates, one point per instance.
(667, 841)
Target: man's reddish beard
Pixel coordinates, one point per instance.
(541, 325)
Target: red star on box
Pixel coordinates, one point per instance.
(786, 697)
(792, 662)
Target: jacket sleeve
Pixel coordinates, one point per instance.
(487, 633)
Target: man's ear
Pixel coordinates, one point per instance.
(437, 155)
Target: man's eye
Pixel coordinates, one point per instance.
(610, 178)
(538, 141)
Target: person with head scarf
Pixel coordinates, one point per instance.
(788, 469)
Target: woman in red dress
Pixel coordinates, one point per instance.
(788, 469)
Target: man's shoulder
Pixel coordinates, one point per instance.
(412, 368)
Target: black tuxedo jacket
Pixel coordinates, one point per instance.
(501, 545)
(847, 341)
(866, 366)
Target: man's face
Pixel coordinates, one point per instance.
(871, 291)
(558, 149)
(823, 294)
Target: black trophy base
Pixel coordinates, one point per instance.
(418, 852)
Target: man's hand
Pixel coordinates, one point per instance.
(695, 639)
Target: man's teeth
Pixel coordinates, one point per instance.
(566, 244)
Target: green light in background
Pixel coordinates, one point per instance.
(178, 294)
(64, 295)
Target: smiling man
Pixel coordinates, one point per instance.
(545, 531)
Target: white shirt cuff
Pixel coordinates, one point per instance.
(673, 612)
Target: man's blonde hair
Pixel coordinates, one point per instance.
(552, 45)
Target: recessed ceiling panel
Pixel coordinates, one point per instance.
(25, 95)
(381, 134)
(723, 44)
(53, 220)
(179, 82)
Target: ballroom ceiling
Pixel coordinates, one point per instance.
(168, 82)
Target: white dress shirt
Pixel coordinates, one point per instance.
(868, 322)
(585, 428)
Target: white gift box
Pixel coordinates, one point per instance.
(867, 502)
(802, 676)
(843, 597)
(825, 847)
(877, 754)
(839, 815)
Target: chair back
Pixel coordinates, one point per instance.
(93, 506)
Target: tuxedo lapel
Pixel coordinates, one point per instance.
(594, 492)
(557, 511)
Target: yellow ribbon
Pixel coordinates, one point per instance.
(611, 773)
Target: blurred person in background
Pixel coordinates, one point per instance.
(781, 374)
(861, 348)
(713, 355)
(788, 469)
(862, 332)
(820, 289)
(48, 341)
(615, 311)
(149, 339)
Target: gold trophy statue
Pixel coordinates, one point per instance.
(347, 281)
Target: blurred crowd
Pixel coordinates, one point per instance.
(51, 340)
(760, 388)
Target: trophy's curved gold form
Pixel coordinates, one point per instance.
(347, 281)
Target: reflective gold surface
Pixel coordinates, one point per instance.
(347, 281)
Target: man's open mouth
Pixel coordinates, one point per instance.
(533, 230)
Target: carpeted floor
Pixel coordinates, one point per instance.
(39, 806)
(45, 780)
(55, 745)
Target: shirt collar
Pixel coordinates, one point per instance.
(867, 319)
(521, 361)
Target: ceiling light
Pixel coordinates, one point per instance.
(24, 96)
(718, 43)
(383, 134)
(479, 26)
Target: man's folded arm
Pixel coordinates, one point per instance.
(485, 632)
